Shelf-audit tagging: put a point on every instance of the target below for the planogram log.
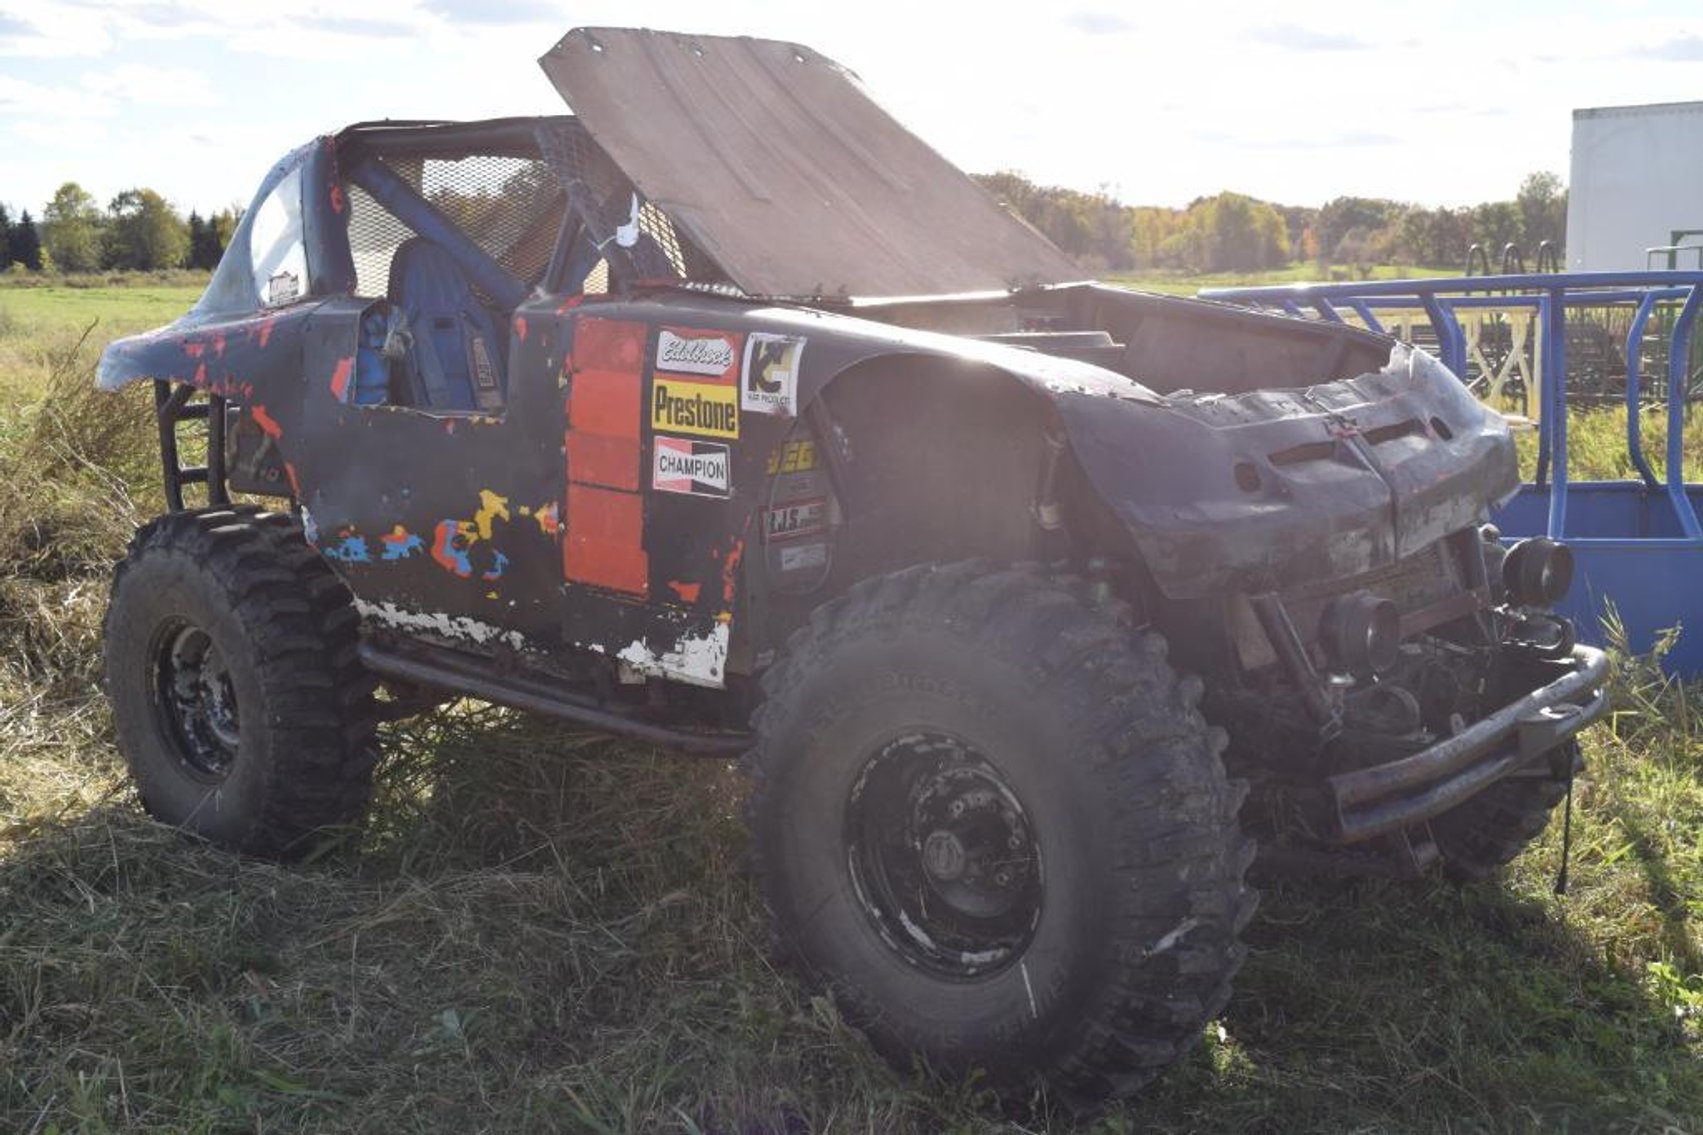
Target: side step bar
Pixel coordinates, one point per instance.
(472, 677)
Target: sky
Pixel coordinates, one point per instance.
(1439, 103)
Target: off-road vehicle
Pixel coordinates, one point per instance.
(725, 414)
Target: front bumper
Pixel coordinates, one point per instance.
(1386, 798)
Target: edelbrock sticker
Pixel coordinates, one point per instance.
(769, 379)
(695, 468)
(682, 351)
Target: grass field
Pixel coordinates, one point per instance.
(545, 929)
(1181, 283)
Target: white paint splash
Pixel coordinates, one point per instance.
(695, 660)
(449, 626)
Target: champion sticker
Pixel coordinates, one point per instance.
(769, 379)
(695, 468)
(682, 351)
(800, 518)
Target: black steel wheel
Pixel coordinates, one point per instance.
(942, 856)
(238, 699)
(992, 822)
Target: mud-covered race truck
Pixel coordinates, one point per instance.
(725, 414)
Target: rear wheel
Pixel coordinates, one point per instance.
(238, 699)
(990, 819)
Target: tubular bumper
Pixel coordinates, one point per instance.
(1375, 801)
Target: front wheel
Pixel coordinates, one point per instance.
(992, 821)
(237, 695)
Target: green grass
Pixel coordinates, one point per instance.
(116, 311)
(548, 930)
(1180, 283)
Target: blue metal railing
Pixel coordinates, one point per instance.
(1622, 525)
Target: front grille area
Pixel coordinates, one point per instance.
(1417, 581)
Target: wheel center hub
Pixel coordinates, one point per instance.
(943, 856)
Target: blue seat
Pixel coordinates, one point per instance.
(456, 361)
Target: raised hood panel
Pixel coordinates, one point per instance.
(781, 168)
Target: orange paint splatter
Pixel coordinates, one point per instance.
(200, 376)
(267, 423)
(194, 349)
(730, 571)
(265, 333)
(570, 303)
(336, 198)
(340, 379)
(219, 346)
(295, 485)
(520, 328)
(687, 591)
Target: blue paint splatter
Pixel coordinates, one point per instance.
(352, 550)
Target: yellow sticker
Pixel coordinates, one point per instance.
(707, 408)
(793, 457)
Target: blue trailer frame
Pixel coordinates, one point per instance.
(1638, 543)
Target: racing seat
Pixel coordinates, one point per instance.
(456, 360)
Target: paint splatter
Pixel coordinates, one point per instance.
(548, 518)
(449, 548)
(351, 548)
(267, 423)
(499, 564)
(688, 592)
(400, 544)
(340, 379)
(491, 507)
(520, 328)
(730, 571)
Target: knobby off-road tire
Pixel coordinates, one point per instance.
(991, 820)
(237, 695)
(1490, 830)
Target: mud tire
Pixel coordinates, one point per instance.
(1487, 832)
(1134, 938)
(238, 699)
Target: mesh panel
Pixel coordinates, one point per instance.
(597, 186)
(511, 207)
(374, 236)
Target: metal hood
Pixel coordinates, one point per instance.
(776, 163)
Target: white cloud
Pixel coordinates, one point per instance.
(138, 83)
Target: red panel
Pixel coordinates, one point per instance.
(606, 402)
(595, 459)
(604, 546)
(608, 344)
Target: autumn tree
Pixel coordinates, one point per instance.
(144, 232)
(71, 229)
(1542, 203)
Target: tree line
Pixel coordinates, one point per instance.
(1235, 232)
(138, 229)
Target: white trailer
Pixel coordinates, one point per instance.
(1636, 185)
